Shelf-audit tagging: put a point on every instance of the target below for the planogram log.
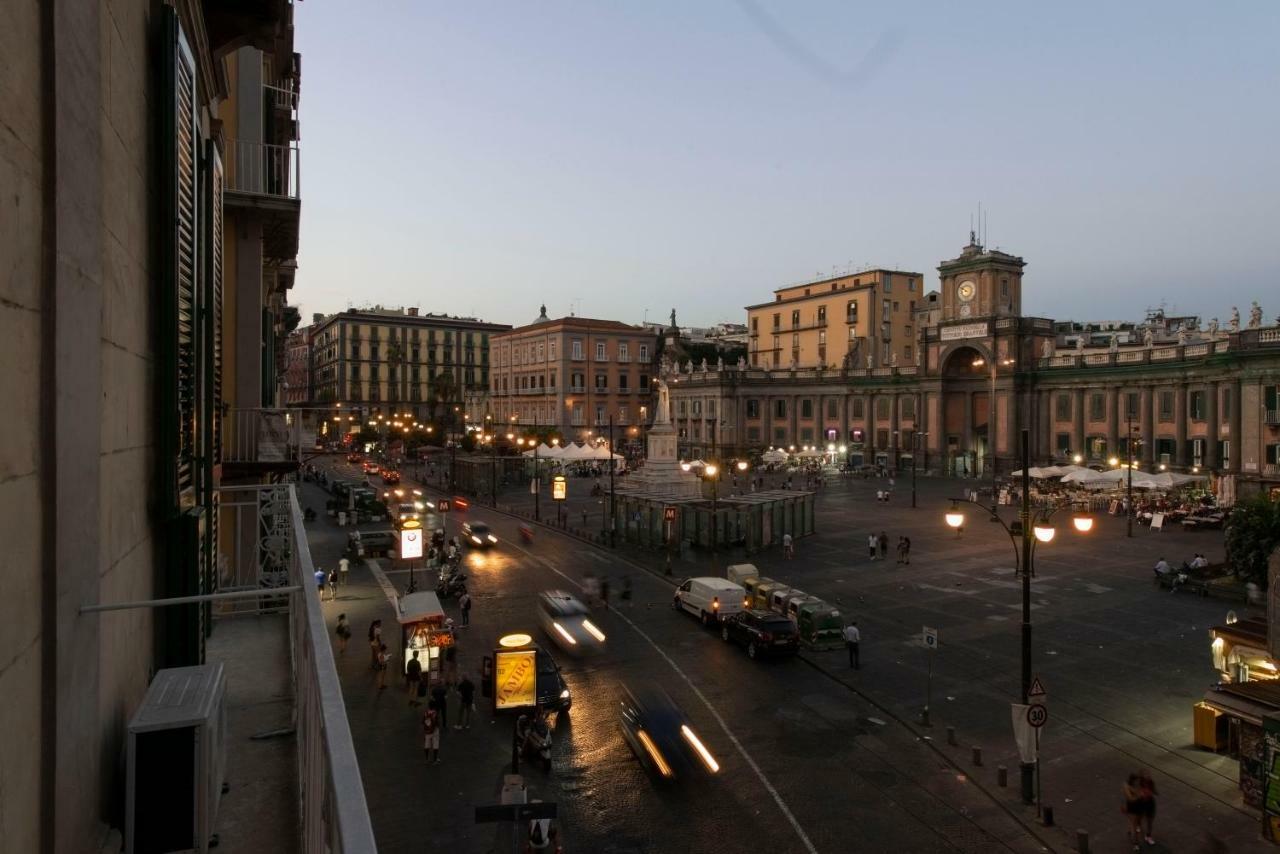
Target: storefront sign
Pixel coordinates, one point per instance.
(968, 330)
(516, 679)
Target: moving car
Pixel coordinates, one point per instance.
(710, 598)
(404, 511)
(553, 694)
(390, 476)
(354, 458)
(761, 632)
(567, 621)
(661, 736)
(476, 534)
(370, 468)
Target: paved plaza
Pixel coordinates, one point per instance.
(818, 757)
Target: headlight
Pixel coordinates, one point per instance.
(564, 695)
(593, 631)
(703, 753)
(560, 630)
(475, 540)
(492, 538)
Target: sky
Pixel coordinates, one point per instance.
(619, 160)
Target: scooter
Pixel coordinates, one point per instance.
(535, 740)
(451, 584)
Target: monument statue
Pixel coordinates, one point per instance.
(1213, 327)
(719, 363)
(704, 364)
(1080, 344)
(1255, 316)
(663, 413)
(1183, 335)
(1234, 323)
(893, 359)
(1115, 343)
(673, 319)
(868, 361)
(1148, 338)
(1046, 348)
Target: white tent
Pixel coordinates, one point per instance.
(574, 452)
(774, 455)
(1083, 476)
(1040, 473)
(810, 453)
(545, 451)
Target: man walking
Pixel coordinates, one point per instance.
(344, 566)
(883, 542)
(852, 637)
(904, 550)
(788, 549)
(464, 602)
(466, 702)
(413, 677)
(872, 543)
(431, 735)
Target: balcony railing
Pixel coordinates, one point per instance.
(271, 551)
(1273, 417)
(266, 436)
(283, 98)
(263, 169)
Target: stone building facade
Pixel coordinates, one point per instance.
(1207, 402)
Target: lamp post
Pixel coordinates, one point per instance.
(1032, 529)
(915, 453)
(712, 471)
(613, 508)
(1128, 499)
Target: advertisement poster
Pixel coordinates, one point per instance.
(515, 679)
(410, 543)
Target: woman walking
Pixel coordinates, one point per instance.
(1147, 790)
(343, 631)
(1132, 809)
(375, 641)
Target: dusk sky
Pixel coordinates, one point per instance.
(623, 158)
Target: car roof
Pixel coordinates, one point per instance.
(716, 582)
(565, 603)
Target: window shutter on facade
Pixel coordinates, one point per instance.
(210, 352)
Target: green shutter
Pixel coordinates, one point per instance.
(210, 354)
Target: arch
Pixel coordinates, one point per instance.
(958, 362)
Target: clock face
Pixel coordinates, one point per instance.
(966, 291)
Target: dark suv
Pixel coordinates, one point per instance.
(763, 633)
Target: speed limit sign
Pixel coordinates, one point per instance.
(1037, 715)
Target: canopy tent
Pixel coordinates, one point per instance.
(600, 452)
(1083, 476)
(1164, 480)
(1040, 473)
(810, 453)
(774, 455)
(574, 453)
(545, 450)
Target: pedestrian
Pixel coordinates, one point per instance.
(450, 664)
(413, 677)
(440, 701)
(1132, 809)
(884, 545)
(321, 578)
(431, 735)
(343, 631)
(879, 496)
(788, 550)
(1147, 790)
(383, 659)
(375, 641)
(604, 592)
(626, 591)
(872, 543)
(464, 602)
(905, 548)
(466, 702)
(333, 584)
(852, 637)
(584, 519)
(344, 566)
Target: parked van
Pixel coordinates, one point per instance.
(740, 572)
(710, 599)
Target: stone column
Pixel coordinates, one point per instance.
(1181, 453)
(895, 440)
(966, 438)
(793, 410)
(1234, 428)
(869, 434)
(1147, 418)
(1113, 422)
(844, 419)
(1077, 423)
(766, 421)
(1211, 461)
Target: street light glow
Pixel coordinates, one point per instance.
(711, 469)
(742, 465)
(1044, 532)
(1083, 522)
(955, 518)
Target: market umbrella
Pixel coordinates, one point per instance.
(1083, 476)
(1039, 473)
(773, 455)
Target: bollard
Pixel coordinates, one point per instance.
(924, 717)
(951, 736)
(1002, 776)
(1047, 814)
(977, 756)
(1082, 841)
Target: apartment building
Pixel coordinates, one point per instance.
(864, 319)
(296, 370)
(574, 374)
(125, 285)
(383, 360)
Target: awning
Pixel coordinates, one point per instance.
(1249, 701)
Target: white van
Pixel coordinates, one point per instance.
(710, 599)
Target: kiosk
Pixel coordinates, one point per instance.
(423, 628)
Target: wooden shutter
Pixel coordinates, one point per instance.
(210, 351)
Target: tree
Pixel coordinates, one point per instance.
(1253, 533)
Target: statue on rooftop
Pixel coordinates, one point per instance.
(1213, 327)
(1046, 348)
(1115, 343)
(1255, 316)
(1234, 323)
(1148, 338)
(868, 361)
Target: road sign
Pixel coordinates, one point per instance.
(668, 514)
(1037, 688)
(1037, 715)
(930, 638)
(442, 506)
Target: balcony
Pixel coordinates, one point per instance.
(577, 389)
(602, 389)
(281, 674)
(256, 441)
(267, 179)
(1273, 417)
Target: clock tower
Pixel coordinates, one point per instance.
(981, 283)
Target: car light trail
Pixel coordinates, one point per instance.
(652, 749)
(564, 634)
(707, 758)
(593, 631)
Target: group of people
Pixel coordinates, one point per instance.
(327, 583)
(1139, 793)
(878, 548)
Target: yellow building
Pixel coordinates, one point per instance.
(859, 320)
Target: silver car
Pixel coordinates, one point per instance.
(567, 621)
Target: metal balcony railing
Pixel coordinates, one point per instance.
(266, 436)
(283, 97)
(264, 169)
(271, 551)
(1273, 417)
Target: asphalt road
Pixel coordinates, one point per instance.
(807, 763)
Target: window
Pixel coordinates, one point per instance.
(907, 354)
(576, 346)
(1064, 444)
(851, 311)
(602, 382)
(885, 310)
(373, 351)
(600, 356)
(777, 321)
(806, 408)
(355, 350)
(911, 287)
(858, 408)
(895, 305)
(551, 350)
(795, 318)
(831, 407)
(822, 314)
(1131, 405)
(600, 419)
(1098, 448)
(1166, 406)
(795, 340)
(644, 352)
(577, 382)
(882, 438)
(909, 407)
(755, 325)
(822, 337)
(776, 340)
(551, 379)
(644, 383)
(806, 434)
(1196, 405)
(1097, 406)
(624, 352)
(780, 408)
(542, 351)
(753, 408)
(882, 408)
(888, 284)
(1004, 288)
(682, 408)
(624, 382)
(696, 407)
(1062, 407)
(711, 408)
(853, 333)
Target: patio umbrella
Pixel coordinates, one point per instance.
(1039, 473)
(1083, 476)
(774, 455)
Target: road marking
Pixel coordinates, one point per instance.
(742, 751)
(947, 589)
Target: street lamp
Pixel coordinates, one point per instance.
(1031, 529)
(710, 471)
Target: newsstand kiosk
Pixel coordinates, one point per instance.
(423, 629)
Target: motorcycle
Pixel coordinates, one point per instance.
(535, 740)
(451, 584)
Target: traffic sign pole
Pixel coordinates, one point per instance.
(930, 637)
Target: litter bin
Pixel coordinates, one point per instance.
(821, 626)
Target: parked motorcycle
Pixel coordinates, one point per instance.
(535, 740)
(451, 584)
